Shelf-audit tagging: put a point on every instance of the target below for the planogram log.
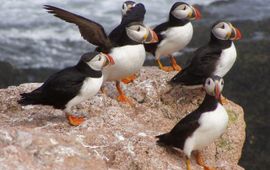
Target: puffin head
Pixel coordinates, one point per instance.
(184, 11)
(225, 31)
(97, 60)
(213, 86)
(140, 33)
(127, 5)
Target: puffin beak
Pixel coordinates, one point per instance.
(151, 37)
(109, 60)
(236, 34)
(217, 92)
(196, 14)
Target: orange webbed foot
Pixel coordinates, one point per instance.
(75, 120)
(175, 66)
(129, 79)
(200, 161)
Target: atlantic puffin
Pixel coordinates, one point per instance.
(215, 58)
(202, 126)
(131, 12)
(175, 34)
(128, 53)
(71, 85)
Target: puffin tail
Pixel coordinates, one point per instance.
(163, 139)
(178, 78)
(30, 98)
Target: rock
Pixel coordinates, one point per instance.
(115, 136)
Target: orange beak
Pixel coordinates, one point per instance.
(151, 37)
(217, 92)
(198, 14)
(110, 59)
(238, 34)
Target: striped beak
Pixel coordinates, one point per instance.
(151, 37)
(195, 14)
(217, 92)
(109, 60)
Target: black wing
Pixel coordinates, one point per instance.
(183, 129)
(202, 66)
(151, 48)
(135, 14)
(57, 90)
(90, 30)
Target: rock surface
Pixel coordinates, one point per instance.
(115, 136)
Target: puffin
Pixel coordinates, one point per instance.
(71, 86)
(202, 126)
(215, 58)
(128, 51)
(134, 12)
(174, 35)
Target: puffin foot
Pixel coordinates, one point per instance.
(164, 68)
(129, 79)
(122, 97)
(200, 161)
(188, 164)
(224, 100)
(175, 66)
(74, 120)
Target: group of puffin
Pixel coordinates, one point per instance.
(121, 54)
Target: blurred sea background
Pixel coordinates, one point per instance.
(34, 44)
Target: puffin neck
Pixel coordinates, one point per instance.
(209, 103)
(87, 70)
(223, 44)
(173, 21)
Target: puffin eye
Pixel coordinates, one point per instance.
(209, 82)
(185, 7)
(138, 29)
(223, 26)
(99, 58)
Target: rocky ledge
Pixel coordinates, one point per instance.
(115, 136)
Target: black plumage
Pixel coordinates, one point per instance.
(186, 126)
(95, 34)
(203, 63)
(172, 22)
(62, 86)
(135, 14)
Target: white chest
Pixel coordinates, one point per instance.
(176, 38)
(212, 125)
(128, 60)
(226, 61)
(90, 87)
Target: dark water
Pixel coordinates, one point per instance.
(34, 44)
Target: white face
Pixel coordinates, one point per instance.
(127, 6)
(210, 85)
(223, 30)
(182, 11)
(98, 62)
(137, 33)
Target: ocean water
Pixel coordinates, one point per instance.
(32, 38)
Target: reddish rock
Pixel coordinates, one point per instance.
(115, 136)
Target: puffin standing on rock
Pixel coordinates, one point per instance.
(201, 127)
(215, 58)
(71, 86)
(128, 53)
(174, 34)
